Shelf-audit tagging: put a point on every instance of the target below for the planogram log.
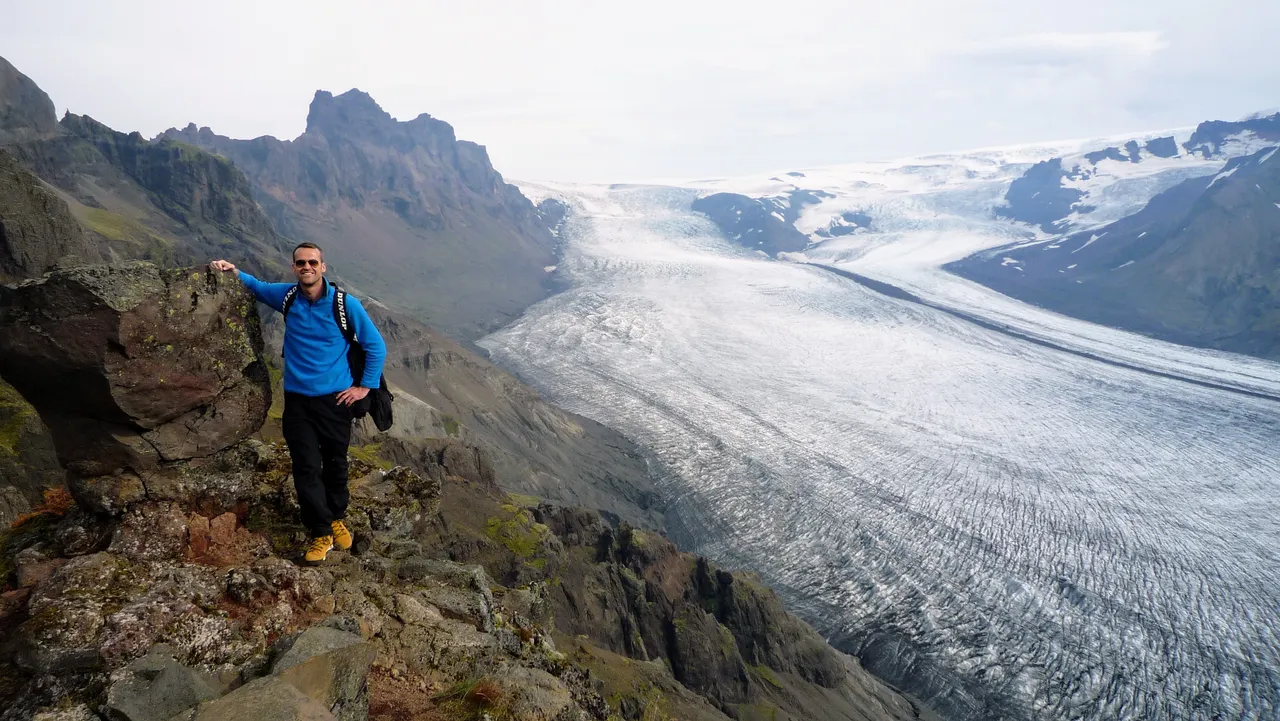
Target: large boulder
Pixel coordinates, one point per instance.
(155, 688)
(329, 666)
(267, 699)
(132, 365)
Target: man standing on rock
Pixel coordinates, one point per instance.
(319, 391)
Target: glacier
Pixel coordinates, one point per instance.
(1004, 511)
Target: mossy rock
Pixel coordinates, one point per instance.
(28, 461)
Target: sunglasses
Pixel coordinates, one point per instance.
(304, 262)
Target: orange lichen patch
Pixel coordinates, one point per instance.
(57, 501)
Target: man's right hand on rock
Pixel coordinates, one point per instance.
(221, 265)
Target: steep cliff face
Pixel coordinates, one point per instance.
(37, 230)
(404, 209)
(26, 112)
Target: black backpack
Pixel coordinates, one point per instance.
(377, 404)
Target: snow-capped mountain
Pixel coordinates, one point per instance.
(913, 216)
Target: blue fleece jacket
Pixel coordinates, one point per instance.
(315, 352)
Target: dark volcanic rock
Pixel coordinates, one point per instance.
(725, 635)
(1037, 196)
(25, 110)
(1165, 147)
(36, 227)
(191, 184)
(764, 224)
(134, 365)
(165, 201)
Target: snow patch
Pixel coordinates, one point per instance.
(1089, 242)
(1220, 176)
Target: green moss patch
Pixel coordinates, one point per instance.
(15, 413)
(516, 530)
(368, 453)
(451, 425)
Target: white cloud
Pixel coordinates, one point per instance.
(1066, 48)
(580, 89)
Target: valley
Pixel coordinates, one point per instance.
(1002, 510)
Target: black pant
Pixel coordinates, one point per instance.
(318, 431)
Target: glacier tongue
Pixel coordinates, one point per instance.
(1001, 527)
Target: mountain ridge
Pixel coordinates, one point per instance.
(455, 244)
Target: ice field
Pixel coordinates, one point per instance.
(1004, 528)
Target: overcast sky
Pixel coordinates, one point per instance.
(608, 91)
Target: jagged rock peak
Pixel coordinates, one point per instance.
(25, 110)
(355, 114)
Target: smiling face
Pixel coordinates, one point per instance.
(308, 265)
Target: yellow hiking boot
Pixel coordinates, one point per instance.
(341, 536)
(318, 550)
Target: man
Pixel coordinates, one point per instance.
(318, 392)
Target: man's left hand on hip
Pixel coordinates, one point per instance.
(352, 394)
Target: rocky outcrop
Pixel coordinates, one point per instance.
(454, 602)
(37, 229)
(174, 611)
(133, 366)
(763, 224)
(25, 110)
(156, 688)
(404, 210)
(724, 635)
(1041, 197)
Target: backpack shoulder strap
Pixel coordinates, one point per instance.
(340, 314)
(289, 296)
